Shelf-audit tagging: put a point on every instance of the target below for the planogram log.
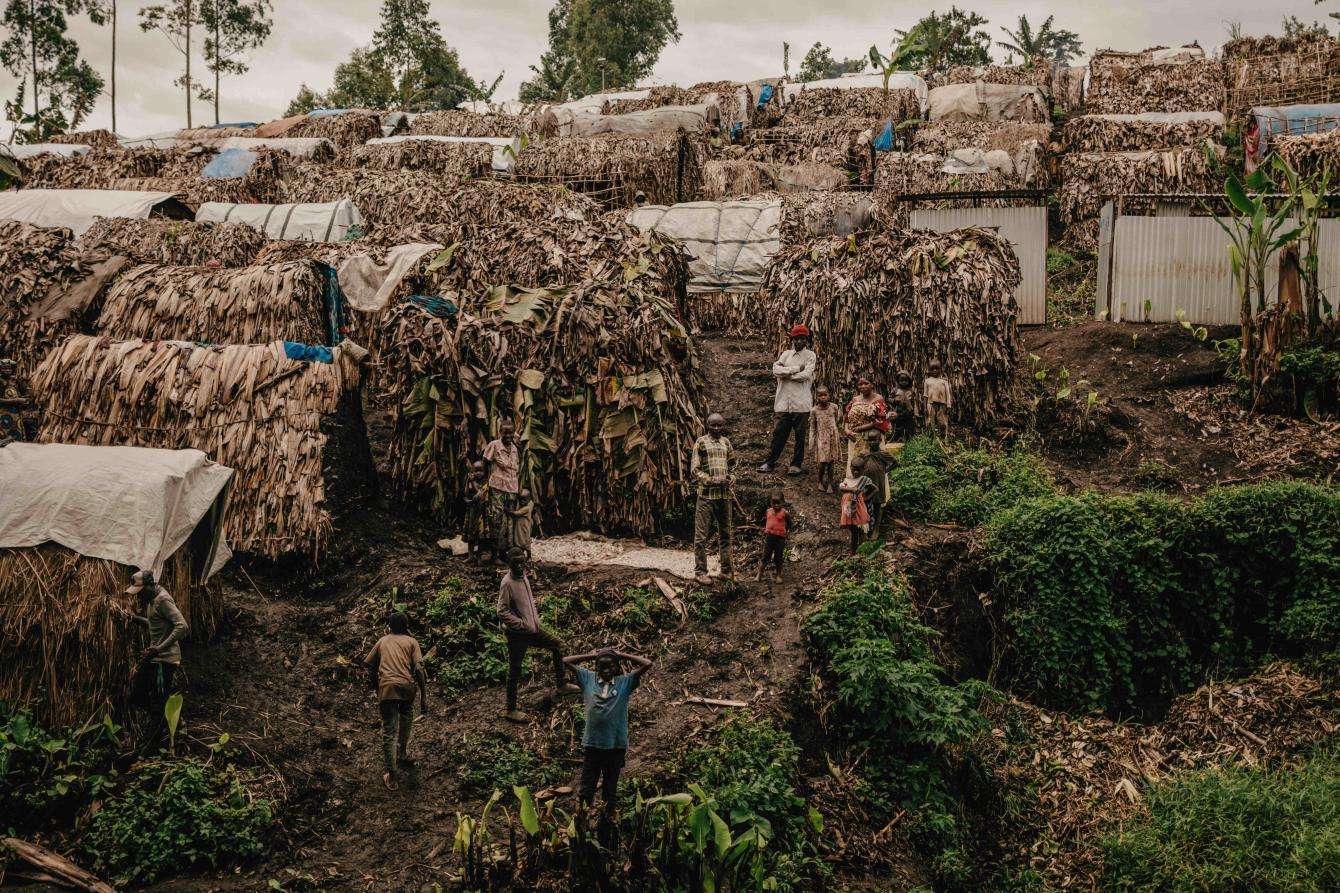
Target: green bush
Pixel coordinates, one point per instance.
(1119, 603)
(47, 777)
(489, 762)
(750, 771)
(174, 816)
(863, 602)
(1235, 828)
(935, 483)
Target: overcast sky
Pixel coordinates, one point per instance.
(722, 39)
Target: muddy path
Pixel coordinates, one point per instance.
(282, 680)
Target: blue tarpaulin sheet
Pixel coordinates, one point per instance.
(442, 308)
(308, 353)
(884, 142)
(232, 124)
(736, 130)
(764, 95)
(229, 165)
(1294, 119)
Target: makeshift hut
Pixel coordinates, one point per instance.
(885, 300)
(458, 122)
(291, 429)
(201, 134)
(1179, 80)
(102, 139)
(456, 158)
(67, 626)
(324, 222)
(1035, 73)
(292, 301)
(963, 170)
(1142, 132)
(34, 261)
(613, 168)
(657, 97)
(740, 178)
(198, 175)
(897, 81)
(600, 379)
(1277, 71)
(77, 209)
(987, 102)
(344, 130)
(946, 136)
(94, 169)
(817, 105)
(663, 121)
(1311, 153)
(384, 198)
(321, 151)
(1088, 179)
(844, 143)
(172, 242)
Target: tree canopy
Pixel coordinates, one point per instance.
(232, 27)
(57, 89)
(611, 42)
(1047, 42)
(819, 64)
(951, 38)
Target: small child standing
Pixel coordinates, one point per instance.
(776, 528)
(877, 470)
(939, 400)
(476, 504)
(522, 518)
(824, 435)
(855, 489)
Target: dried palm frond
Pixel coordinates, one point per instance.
(284, 426)
(172, 242)
(1310, 153)
(941, 138)
(601, 378)
(739, 178)
(840, 142)
(1037, 73)
(817, 105)
(68, 632)
(1102, 133)
(456, 161)
(34, 261)
(103, 139)
(241, 305)
(1088, 178)
(345, 131)
(885, 300)
(1134, 85)
(660, 97)
(459, 122)
(613, 168)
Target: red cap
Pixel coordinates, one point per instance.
(799, 331)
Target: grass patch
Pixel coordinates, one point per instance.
(943, 483)
(489, 762)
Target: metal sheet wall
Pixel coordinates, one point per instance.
(1026, 230)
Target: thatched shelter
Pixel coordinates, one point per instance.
(839, 142)
(98, 138)
(1035, 73)
(600, 378)
(1088, 178)
(385, 198)
(817, 106)
(459, 122)
(884, 300)
(67, 627)
(1154, 81)
(97, 168)
(456, 161)
(173, 242)
(613, 168)
(906, 173)
(1276, 71)
(1310, 153)
(658, 97)
(944, 137)
(345, 131)
(1135, 133)
(234, 305)
(741, 178)
(292, 430)
(34, 262)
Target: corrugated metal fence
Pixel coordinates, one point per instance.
(1160, 265)
(1026, 230)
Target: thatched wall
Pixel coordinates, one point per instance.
(1310, 153)
(173, 242)
(459, 122)
(236, 305)
(277, 422)
(1130, 86)
(34, 261)
(457, 161)
(345, 131)
(886, 300)
(100, 138)
(1087, 177)
(840, 142)
(614, 168)
(1092, 133)
(1276, 71)
(608, 401)
(385, 198)
(817, 106)
(67, 630)
(1038, 74)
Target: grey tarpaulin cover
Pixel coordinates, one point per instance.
(130, 505)
(323, 222)
(368, 285)
(32, 150)
(665, 119)
(77, 208)
(987, 102)
(730, 242)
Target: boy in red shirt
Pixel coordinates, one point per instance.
(776, 528)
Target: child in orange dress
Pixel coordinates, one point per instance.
(856, 489)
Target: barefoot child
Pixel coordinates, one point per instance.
(824, 435)
(776, 528)
(475, 504)
(856, 489)
(605, 695)
(522, 519)
(939, 400)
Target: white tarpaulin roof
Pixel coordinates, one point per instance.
(979, 101)
(166, 139)
(669, 118)
(1164, 117)
(730, 243)
(77, 208)
(899, 80)
(596, 100)
(32, 150)
(130, 505)
(503, 160)
(325, 222)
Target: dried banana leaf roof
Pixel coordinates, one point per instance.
(173, 242)
(1125, 133)
(99, 138)
(614, 168)
(1087, 178)
(345, 131)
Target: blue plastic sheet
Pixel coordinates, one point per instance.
(884, 142)
(765, 95)
(308, 353)
(325, 113)
(229, 165)
(442, 308)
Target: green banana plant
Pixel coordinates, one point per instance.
(899, 57)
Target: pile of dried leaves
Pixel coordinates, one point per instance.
(1310, 153)
(456, 162)
(206, 134)
(245, 406)
(1079, 776)
(104, 139)
(172, 242)
(1089, 178)
(1277, 71)
(1123, 85)
(739, 178)
(34, 261)
(1112, 133)
(238, 305)
(943, 137)
(613, 168)
(459, 122)
(886, 300)
(600, 379)
(840, 142)
(96, 168)
(385, 198)
(815, 106)
(1037, 73)
(345, 131)
(907, 173)
(807, 215)
(660, 97)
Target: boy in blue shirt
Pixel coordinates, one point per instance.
(605, 696)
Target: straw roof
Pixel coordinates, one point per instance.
(385, 198)
(1310, 153)
(815, 106)
(459, 122)
(345, 131)
(456, 161)
(172, 242)
(100, 138)
(244, 305)
(1095, 133)
(34, 261)
(96, 168)
(1134, 85)
(885, 300)
(245, 406)
(1088, 177)
(660, 97)
(1038, 74)
(67, 628)
(601, 378)
(738, 178)
(614, 168)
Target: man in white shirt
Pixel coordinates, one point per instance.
(794, 371)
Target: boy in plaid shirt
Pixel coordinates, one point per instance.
(713, 470)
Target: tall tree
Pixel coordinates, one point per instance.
(306, 100)
(176, 20)
(612, 41)
(232, 27)
(103, 12)
(553, 79)
(409, 45)
(37, 50)
(1047, 42)
(819, 64)
(950, 38)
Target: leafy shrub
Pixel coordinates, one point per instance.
(1155, 475)
(863, 602)
(749, 770)
(935, 483)
(1235, 828)
(174, 816)
(49, 776)
(495, 762)
(1119, 603)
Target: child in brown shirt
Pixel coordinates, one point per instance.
(939, 400)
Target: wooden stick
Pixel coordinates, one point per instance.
(715, 702)
(65, 871)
